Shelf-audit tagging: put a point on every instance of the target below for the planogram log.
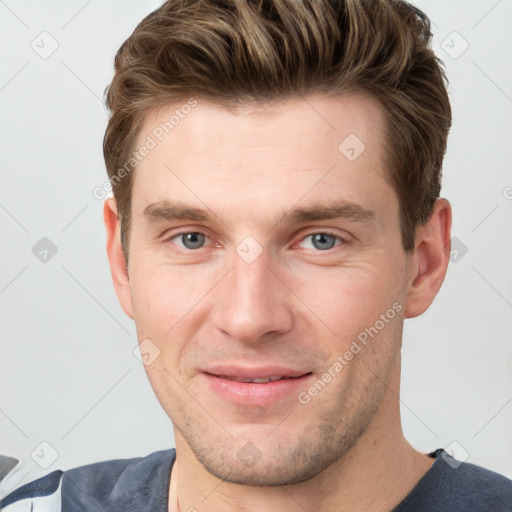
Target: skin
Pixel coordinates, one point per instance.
(297, 304)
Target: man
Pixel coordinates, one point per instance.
(276, 168)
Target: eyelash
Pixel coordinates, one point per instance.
(312, 233)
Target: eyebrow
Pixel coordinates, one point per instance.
(166, 210)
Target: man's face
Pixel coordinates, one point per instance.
(256, 286)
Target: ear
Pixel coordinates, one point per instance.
(429, 261)
(118, 267)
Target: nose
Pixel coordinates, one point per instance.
(254, 302)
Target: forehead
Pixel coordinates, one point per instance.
(264, 156)
(313, 121)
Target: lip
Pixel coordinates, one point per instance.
(255, 394)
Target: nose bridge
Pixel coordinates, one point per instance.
(249, 281)
(254, 303)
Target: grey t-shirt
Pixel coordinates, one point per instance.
(142, 484)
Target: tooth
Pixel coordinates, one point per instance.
(262, 380)
(259, 380)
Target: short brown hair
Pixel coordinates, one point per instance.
(233, 52)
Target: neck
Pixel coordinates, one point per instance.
(374, 475)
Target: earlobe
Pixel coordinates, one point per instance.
(429, 261)
(116, 257)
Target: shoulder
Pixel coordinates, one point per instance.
(476, 482)
(454, 486)
(106, 485)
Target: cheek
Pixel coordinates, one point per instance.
(347, 300)
(170, 306)
(163, 296)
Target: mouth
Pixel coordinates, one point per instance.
(256, 387)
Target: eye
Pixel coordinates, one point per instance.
(191, 240)
(322, 241)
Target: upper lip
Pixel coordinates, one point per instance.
(260, 372)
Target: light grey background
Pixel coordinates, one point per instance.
(68, 375)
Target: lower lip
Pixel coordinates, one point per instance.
(257, 394)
